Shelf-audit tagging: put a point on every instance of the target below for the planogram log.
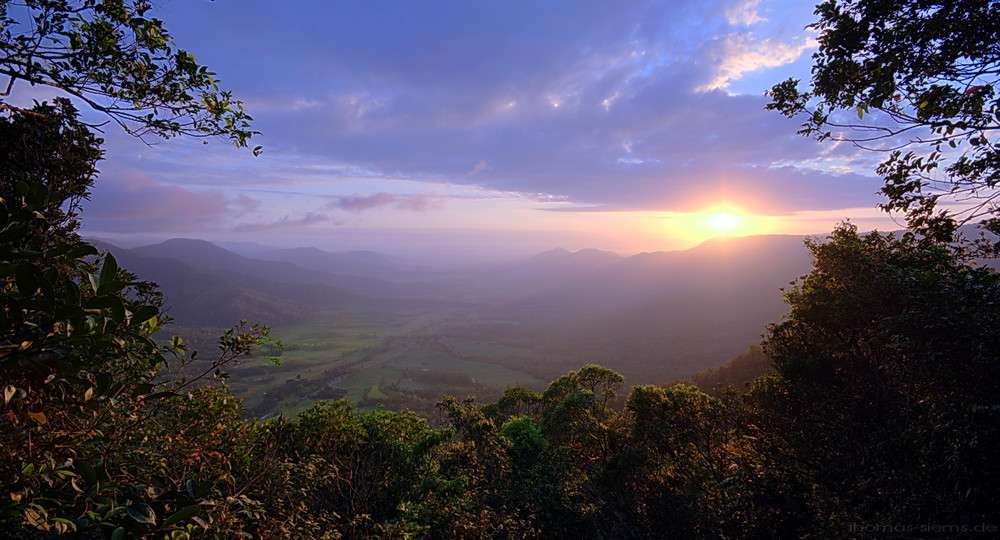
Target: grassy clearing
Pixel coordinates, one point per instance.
(360, 353)
(374, 392)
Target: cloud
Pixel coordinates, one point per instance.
(744, 12)
(738, 54)
(131, 200)
(287, 222)
(480, 167)
(361, 203)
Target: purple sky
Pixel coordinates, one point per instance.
(465, 127)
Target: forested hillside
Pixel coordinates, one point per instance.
(879, 417)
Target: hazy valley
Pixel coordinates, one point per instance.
(381, 330)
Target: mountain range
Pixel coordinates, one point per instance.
(671, 312)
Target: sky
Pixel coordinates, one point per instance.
(461, 129)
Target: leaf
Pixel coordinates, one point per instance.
(142, 513)
(38, 417)
(182, 514)
(144, 313)
(104, 382)
(67, 523)
(112, 303)
(141, 389)
(109, 271)
(86, 471)
(82, 251)
(119, 534)
(27, 278)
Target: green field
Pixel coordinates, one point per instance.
(373, 357)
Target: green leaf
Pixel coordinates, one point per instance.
(142, 513)
(182, 514)
(68, 523)
(109, 271)
(113, 304)
(82, 251)
(64, 473)
(144, 313)
(119, 534)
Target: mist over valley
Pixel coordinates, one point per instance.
(383, 330)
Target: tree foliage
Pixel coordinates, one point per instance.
(47, 145)
(118, 60)
(884, 394)
(96, 440)
(916, 79)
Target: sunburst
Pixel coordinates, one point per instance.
(723, 221)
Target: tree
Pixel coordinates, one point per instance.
(94, 439)
(916, 79)
(885, 399)
(113, 57)
(47, 145)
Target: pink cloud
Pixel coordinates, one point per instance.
(132, 201)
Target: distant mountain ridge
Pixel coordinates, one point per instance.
(208, 256)
(767, 261)
(673, 313)
(205, 285)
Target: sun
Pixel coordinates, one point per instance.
(723, 221)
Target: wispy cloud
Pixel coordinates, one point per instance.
(287, 222)
(744, 12)
(361, 203)
(738, 54)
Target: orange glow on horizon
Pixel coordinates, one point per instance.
(721, 220)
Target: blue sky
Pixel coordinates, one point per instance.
(466, 127)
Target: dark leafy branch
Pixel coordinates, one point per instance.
(921, 77)
(113, 57)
